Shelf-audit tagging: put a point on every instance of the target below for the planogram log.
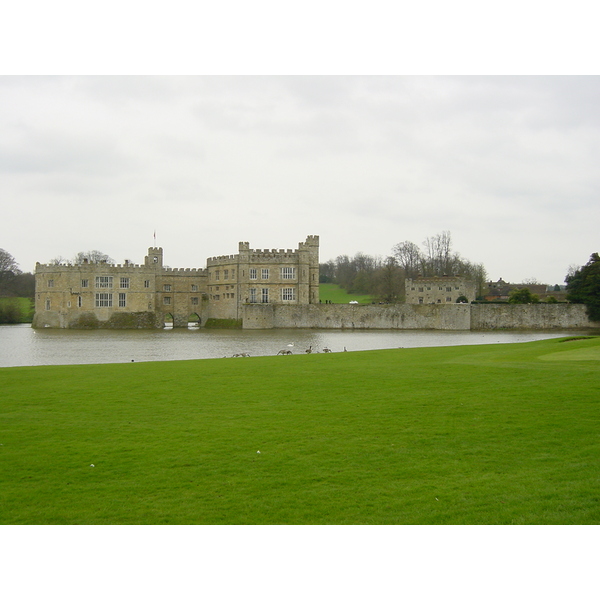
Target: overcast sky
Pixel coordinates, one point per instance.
(508, 165)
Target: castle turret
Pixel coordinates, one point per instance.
(154, 257)
(309, 270)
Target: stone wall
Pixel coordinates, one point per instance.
(530, 316)
(415, 316)
(352, 316)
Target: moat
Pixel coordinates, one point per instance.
(20, 345)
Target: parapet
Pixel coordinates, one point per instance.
(183, 271)
(312, 242)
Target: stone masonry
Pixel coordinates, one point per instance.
(121, 296)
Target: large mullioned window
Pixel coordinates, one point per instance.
(104, 282)
(103, 300)
(288, 294)
(288, 272)
(252, 273)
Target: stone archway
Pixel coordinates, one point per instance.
(194, 321)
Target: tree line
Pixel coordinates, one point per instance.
(14, 285)
(13, 282)
(384, 278)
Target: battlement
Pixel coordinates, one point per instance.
(255, 255)
(51, 268)
(182, 271)
(312, 241)
(89, 267)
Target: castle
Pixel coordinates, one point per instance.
(91, 295)
(439, 290)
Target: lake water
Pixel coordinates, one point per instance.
(20, 345)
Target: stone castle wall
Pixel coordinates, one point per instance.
(530, 316)
(415, 316)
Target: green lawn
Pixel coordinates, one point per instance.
(496, 434)
(338, 295)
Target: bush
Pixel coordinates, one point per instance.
(10, 311)
(522, 296)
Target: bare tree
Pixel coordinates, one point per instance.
(9, 268)
(390, 281)
(438, 259)
(408, 257)
(92, 256)
(7, 263)
(60, 260)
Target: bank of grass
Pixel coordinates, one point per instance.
(16, 310)
(332, 292)
(496, 434)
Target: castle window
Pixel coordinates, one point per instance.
(288, 294)
(252, 274)
(420, 289)
(124, 283)
(85, 283)
(265, 295)
(232, 273)
(194, 301)
(167, 300)
(217, 275)
(103, 300)
(79, 302)
(448, 299)
(288, 272)
(50, 282)
(252, 294)
(226, 274)
(420, 300)
(167, 287)
(122, 300)
(264, 273)
(448, 289)
(146, 283)
(47, 304)
(194, 288)
(104, 282)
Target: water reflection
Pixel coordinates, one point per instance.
(20, 345)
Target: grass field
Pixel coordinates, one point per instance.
(337, 295)
(496, 434)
